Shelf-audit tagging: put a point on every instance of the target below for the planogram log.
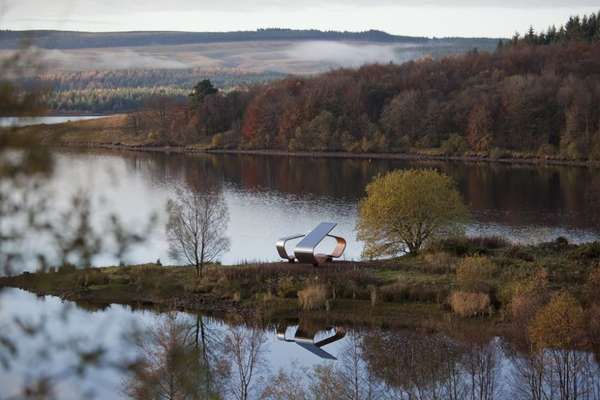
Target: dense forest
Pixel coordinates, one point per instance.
(112, 91)
(523, 98)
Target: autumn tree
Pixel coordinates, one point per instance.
(479, 130)
(404, 210)
(560, 324)
(403, 116)
(196, 227)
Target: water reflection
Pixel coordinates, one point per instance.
(311, 338)
(183, 356)
(556, 374)
(26, 121)
(267, 195)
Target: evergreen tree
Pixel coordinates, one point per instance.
(201, 90)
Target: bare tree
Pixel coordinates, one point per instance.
(196, 227)
(243, 349)
(171, 365)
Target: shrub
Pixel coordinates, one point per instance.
(313, 297)
(559, 324)
(588, 251)
(468, 304)
(286, 288)
(373, 294)
(595, 148)
(461, 246)
(67, 268)
(94, 278)
(440, 262)
(474, 273)
(422, 293)
(520, 253)
(455, 145)
(594, 324)
(497, 153)
(528, 298)
(546, 150)
(592, 287)
(217, 141)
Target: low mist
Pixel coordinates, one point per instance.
(351, 54)
(91, 59)
(296, 57)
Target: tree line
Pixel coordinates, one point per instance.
(76, 40)
(533, 99)
(586, 28)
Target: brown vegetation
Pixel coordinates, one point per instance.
(560, 324)
(474, 273)
(368, 291)
(313, 297)
(469, 304)
(523, 101)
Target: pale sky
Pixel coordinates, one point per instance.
(492, 18)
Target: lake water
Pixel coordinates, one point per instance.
(271, 197)
(363, 363)
(26, 121)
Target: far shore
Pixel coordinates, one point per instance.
(333, 154)
(110, 132)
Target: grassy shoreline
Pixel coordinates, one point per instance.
(111, 132)
(406, 292)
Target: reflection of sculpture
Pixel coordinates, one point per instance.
(305, 250)
(307, 338)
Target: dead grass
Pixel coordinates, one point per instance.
(313, 297)
(468, 304)
(440, 262)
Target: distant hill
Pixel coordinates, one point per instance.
(119, 71)
(50, 39)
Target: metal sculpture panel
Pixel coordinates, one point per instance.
(304, 251)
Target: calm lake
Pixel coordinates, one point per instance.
(348, 363)
(269, 197)
(26, 121)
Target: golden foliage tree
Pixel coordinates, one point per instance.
(560, 324)
(405, 209)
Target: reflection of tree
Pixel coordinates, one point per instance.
(349, 378)
(209, 344)
(173, 364)
(481, 364)
(556, 374)
(514, 195)
(243, 350)
(420, 366)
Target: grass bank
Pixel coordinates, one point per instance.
(483, 280)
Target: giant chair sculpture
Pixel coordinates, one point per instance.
(311, 339)
(304, 251)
